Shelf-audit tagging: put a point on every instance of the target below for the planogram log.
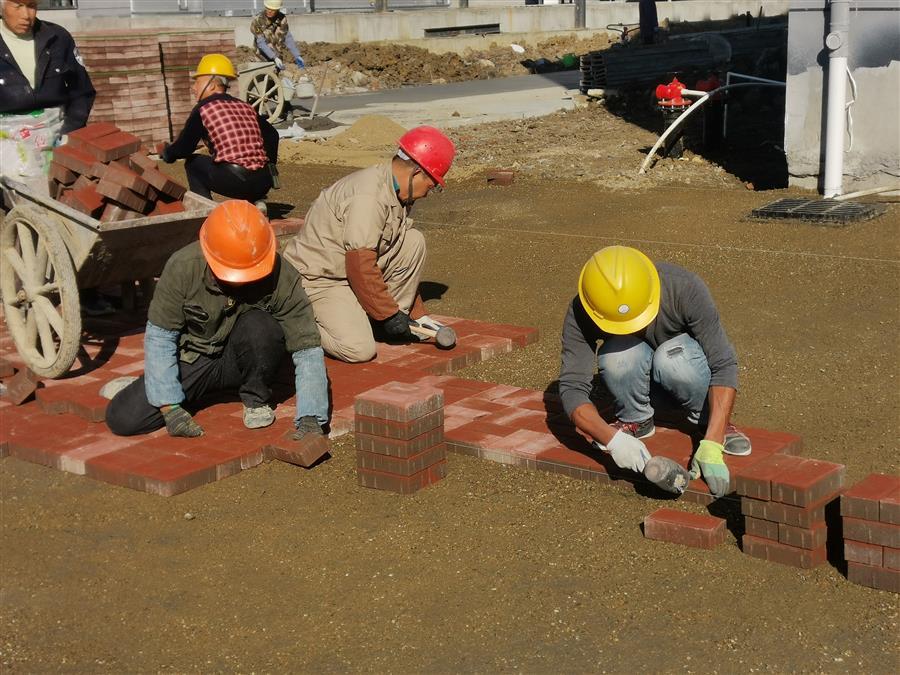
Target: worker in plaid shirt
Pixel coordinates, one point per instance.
(243, 147)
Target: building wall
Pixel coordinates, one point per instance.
(409, 25)
(873, 159)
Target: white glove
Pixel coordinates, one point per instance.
(628, 452)
(279, 64)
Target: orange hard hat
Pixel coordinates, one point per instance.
(238, 242)
(429, 148)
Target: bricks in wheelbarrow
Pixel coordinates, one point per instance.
(305, 452)
(689, 529)
(80, 137)
(118, 173)
(164, 183)
(123, 196)
(86, 200)
(74, 159)
(110, 147)
(61, 174)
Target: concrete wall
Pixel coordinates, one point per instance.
(874, 61)
(410, 25)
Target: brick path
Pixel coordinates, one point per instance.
(63, 427)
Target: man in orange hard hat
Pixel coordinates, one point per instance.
(225, 310)
(243, 146)
(360, 257)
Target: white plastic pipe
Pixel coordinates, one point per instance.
(696, 105)
(865, 193)
(835, 121)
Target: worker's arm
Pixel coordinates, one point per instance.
(161, 367)
(270, 139)
(81, 91)
(267, 49)
(184, 146)
(368, 284)
(721, 402)
(294, 50)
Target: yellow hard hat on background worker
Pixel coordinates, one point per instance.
(273, 4)
(619, 289)
(215, 64)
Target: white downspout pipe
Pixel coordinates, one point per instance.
(837, 43)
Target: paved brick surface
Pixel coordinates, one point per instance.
(63, 428)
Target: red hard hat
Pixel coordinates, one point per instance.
(429, 148)
(238, 242)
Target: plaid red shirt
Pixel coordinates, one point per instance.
(234, 134)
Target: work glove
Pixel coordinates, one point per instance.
(709, 462)
(279, 64)
(397, 326)
(299, 62)
(308, 426)
(179, 423)
(628, 452)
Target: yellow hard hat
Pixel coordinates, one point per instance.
(273, 4)
(215, 64)
(619, 289)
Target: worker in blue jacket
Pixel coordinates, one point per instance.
(40, 67)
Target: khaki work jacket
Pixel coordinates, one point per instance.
(360, 211)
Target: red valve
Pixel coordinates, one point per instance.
(669, 95)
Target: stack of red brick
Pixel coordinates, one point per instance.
(871, 520)
(143, 79)
(105, 173)
(783, 499)
(400, 437)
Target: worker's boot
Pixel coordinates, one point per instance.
(258, 417)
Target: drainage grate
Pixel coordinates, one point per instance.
(825, 211)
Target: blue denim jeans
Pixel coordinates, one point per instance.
(671, 382)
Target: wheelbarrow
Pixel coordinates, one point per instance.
(48, 251)
(270, 94)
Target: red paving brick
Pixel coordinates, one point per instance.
(774, 551)
(880, 578)
(867, 498)
(689, 529)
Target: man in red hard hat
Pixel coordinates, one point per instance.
(360, 257)
(224, 312)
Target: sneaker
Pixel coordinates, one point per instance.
(643, 429)
(259, 417)
(736, 442)
(113, 387)
(308, 429)
(261, 205)
(97, 306)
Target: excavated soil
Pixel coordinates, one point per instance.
(354, 66)
(499, 568)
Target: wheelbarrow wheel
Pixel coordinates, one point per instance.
(39, 291)
(264, 93)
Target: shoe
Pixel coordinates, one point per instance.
(261, 205)
(259, 417)
(736, 442)
(643, 429)
(113, 387)
(97, 306)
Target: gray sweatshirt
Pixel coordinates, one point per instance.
(685, 306)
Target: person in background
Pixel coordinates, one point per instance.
(40, 67)
(243, 146)
(272, 35)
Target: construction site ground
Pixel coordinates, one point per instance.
(499, 568)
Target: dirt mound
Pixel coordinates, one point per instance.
(372, 132)
(370, 139)
(353, 67)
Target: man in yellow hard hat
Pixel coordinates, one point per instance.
(225, 310)
(243, 146)
(271, 35)
(664, 350)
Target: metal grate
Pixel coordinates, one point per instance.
(825, 211)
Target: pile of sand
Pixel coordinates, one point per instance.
(369, 140)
